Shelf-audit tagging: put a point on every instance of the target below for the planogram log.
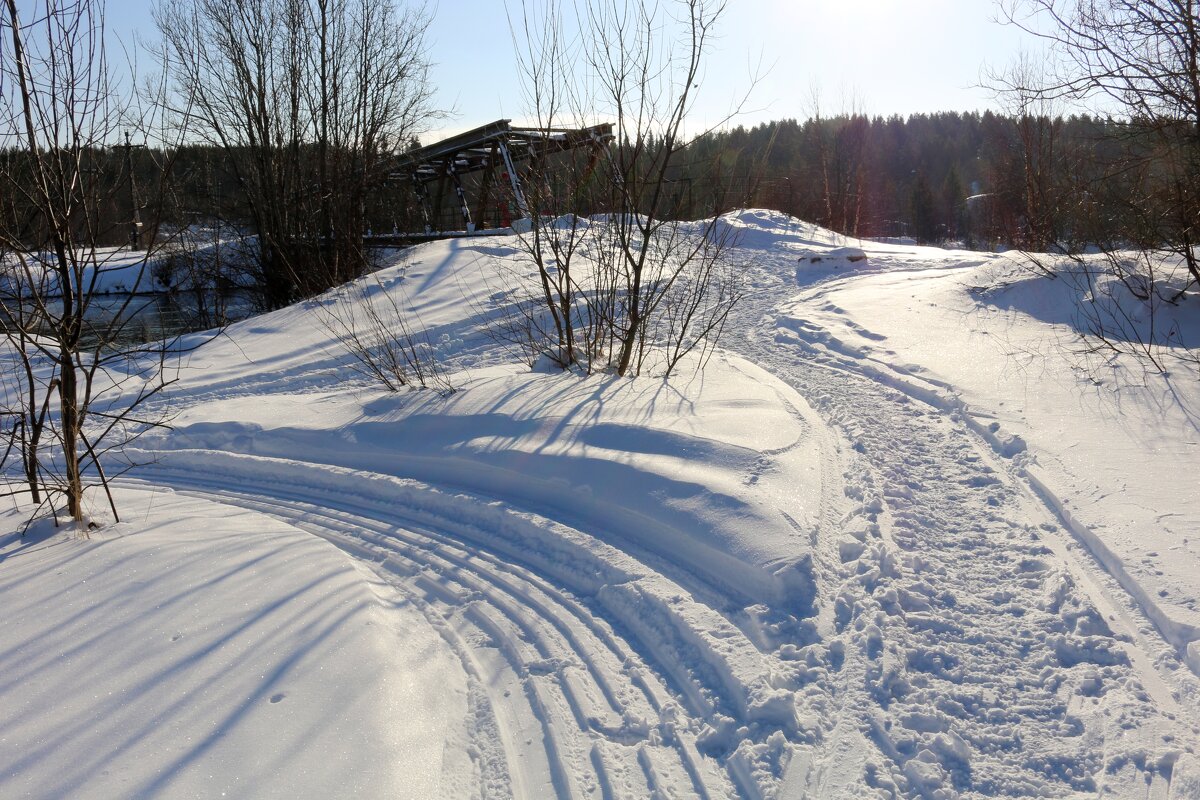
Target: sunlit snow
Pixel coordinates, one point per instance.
(900, 537)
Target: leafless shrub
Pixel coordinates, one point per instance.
(367, 323)
(697, 306)
(1130, 303)
(634, 279)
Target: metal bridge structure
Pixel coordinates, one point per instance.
(474, 184)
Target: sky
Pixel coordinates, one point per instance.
(879, 57)
(875, 56)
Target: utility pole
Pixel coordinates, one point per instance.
(135, 223)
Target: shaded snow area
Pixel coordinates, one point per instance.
(204, 650)
(901, 537)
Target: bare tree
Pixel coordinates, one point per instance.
(605, 286)
(81, 381)
(841, 145)
(1037, 121)
(308, 99)
(562, 317)
(1143, 58)
(1140, 58)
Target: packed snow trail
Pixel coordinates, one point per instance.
(972, 648)
(591, 675)
(961, 642)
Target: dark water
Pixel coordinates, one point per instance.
(161, 316)
(149, 318)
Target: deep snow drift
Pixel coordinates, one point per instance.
(898, 540)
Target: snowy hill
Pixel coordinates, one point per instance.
(897, 539)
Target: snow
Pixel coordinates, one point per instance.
(898, 538)
(119, 270)
(107, 270)
(702, 475)
(1110, 445)
(198, 650)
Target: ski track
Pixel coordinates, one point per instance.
(607, 690)
(963, 644)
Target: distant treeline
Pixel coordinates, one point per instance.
(189, 185)
(981, 179)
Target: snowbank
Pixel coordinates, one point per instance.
(698, 473)
(575, 586)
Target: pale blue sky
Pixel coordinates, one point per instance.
(876, 56)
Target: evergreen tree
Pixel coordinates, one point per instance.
(923, 211)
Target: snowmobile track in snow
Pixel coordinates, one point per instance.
(961, 643)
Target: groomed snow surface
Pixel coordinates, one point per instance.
(900, 538)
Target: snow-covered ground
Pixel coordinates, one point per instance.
(202, 650)
(897, 539)
(189, 259)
